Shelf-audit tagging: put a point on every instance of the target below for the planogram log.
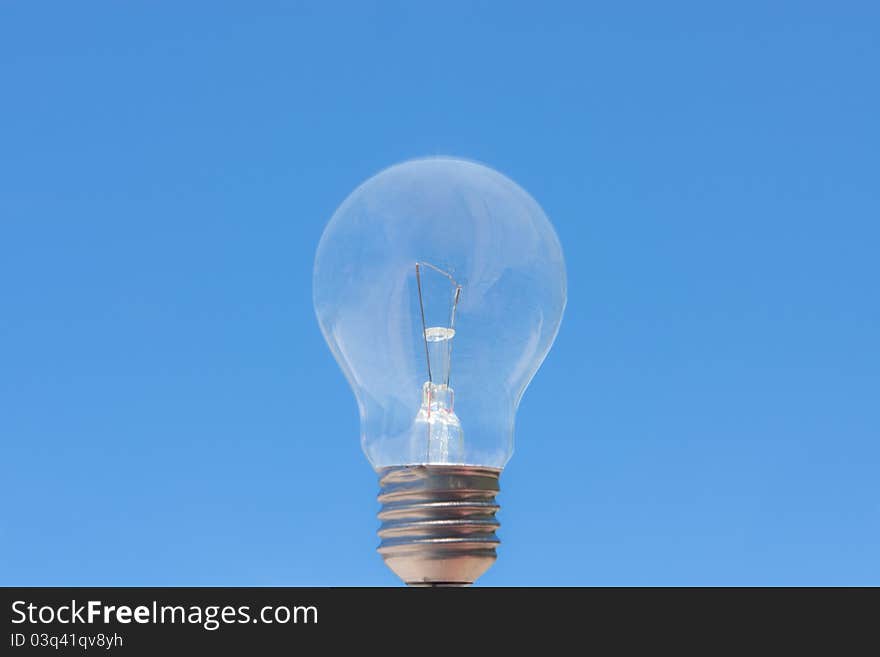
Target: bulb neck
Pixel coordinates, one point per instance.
(438, 522)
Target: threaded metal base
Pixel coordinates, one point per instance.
(438, 522)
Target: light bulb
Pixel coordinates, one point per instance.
(439, 285)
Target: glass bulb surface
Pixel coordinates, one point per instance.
(439, 285)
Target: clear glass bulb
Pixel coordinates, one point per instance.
(439, 286)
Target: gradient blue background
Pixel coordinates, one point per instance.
(169, 413)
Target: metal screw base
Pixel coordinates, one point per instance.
(438, 522)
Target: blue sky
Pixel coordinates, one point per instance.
(169, 414)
